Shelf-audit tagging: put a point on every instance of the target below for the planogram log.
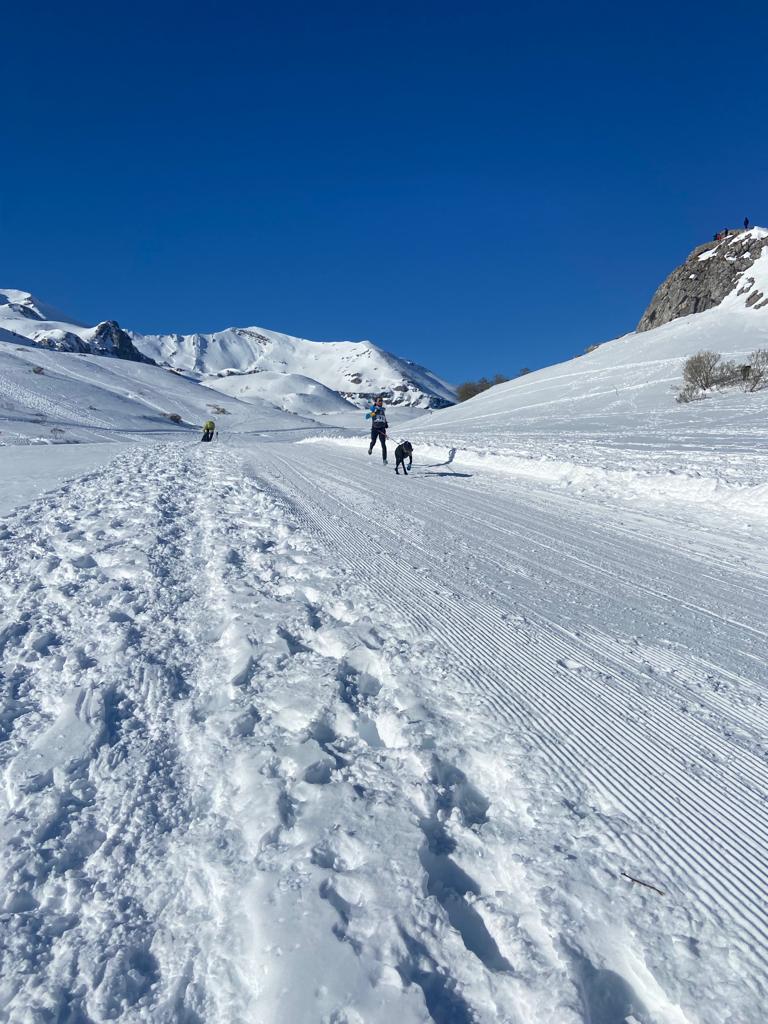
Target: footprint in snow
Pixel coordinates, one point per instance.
(84, 562)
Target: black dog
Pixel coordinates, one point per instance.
(406, 448)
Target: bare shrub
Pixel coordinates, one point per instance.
(756, 376)
(38, 370)
(590, 348)
(728, 374)
(689, 393)
(707, 370)
(701, 370)
(174, 417)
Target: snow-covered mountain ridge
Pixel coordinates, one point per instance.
(355, 370)
(25, 318)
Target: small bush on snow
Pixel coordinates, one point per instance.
(756, 377)
(701, 370)
(689, 393)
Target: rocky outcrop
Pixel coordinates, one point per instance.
(106, 339)
(22, 315)
(711, 272)
(109, 339)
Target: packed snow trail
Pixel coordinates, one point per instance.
(289, 739)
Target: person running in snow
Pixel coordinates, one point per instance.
(208, 428)
(378, 417)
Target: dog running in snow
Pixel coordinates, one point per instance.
(405, 448)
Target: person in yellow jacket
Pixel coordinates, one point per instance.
(208, 428)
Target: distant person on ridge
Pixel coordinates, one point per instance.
(208, 428)
(746, 223)
(378, 417)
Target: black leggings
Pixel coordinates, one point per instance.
(377, 434)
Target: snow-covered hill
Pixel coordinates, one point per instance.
(614, 408)
(357, 370)
(60, 397)
(290, 391)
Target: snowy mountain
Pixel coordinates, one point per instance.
(23, 317)
(356, 370)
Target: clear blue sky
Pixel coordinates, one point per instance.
(476, 186)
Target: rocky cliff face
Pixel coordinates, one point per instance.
(109, 339)
(711, 272)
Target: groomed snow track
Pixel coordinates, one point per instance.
(287, 738)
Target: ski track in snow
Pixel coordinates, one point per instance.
(287, 739)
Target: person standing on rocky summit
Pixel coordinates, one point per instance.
(746, 223)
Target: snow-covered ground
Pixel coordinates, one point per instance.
(286, 737)
(290, 738)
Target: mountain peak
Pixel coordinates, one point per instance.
(728, 265)
(25, 304)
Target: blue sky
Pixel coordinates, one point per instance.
(478, 187)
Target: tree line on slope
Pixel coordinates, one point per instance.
(470, 388)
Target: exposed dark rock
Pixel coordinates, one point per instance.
(61, 341)
(711, 272)
(109, 339)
